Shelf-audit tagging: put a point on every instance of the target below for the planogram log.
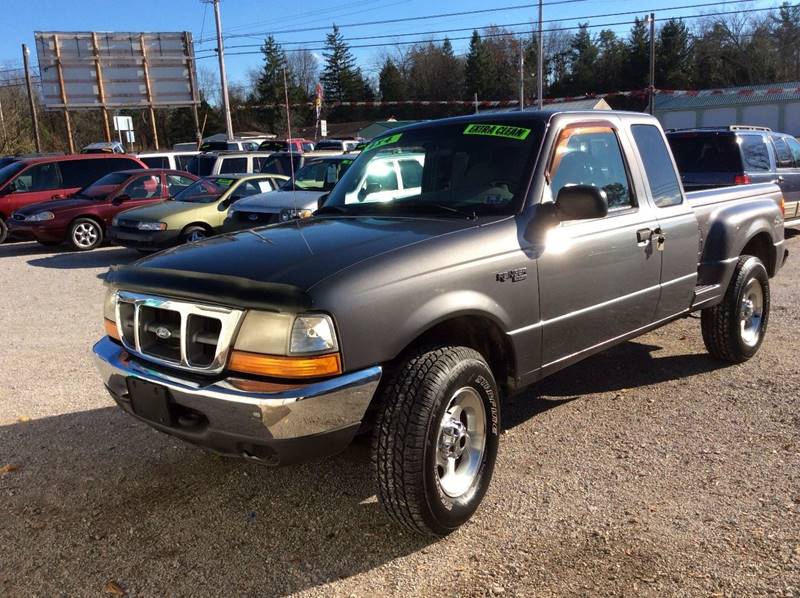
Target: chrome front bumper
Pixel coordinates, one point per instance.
(278, 424)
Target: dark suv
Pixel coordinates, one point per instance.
(737, 155)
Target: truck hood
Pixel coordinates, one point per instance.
(57, 205)
(292, 255)
(275, 201)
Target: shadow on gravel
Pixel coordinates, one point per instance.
(629, 365)
(100, 496)
(21, 248)
(99, 258)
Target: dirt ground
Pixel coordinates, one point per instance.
(649, 469)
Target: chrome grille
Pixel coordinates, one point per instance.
(185, 335)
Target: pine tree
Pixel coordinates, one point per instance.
(637, 62)
(391, 83)
(269, 88)
(673, 54)
(340, 78)
(478, 70)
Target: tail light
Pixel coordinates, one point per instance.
(741, 179)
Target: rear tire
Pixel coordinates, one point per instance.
(194, 233)
(734, 330)
(3, 231)
(85, 234)
(435, 440)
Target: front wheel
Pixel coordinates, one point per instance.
(85, 234)
(734, 330)
(436, 438)
(194, 233)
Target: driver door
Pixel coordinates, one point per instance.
(599, 279)
(139, 191)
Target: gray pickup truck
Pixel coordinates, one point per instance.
(534, 241)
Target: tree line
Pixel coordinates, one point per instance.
(714, 51)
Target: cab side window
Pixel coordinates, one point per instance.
(40, 177)
(592, 156)
(782, 154)
(664, 186)
(794, 147)
(143, 187)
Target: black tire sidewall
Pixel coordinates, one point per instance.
(78, 222)
(3, 230)
(752, 268)
(449, 513)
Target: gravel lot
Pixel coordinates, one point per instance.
(647, 470)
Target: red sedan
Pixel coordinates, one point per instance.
(81, 220)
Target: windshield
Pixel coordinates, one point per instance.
(319, 175)
(283, 164)
(8, 171)
(457, 169)
(103, 186)
(206, 190)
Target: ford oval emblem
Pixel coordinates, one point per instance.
(163, 332)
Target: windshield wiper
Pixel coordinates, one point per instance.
(436, 206)
(331, 210)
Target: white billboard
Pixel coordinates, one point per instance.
(91, 70)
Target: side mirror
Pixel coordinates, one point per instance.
(322, 199)
(120, 198)
(581, 202)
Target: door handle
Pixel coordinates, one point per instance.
(643, 235)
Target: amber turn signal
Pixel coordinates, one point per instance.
(277, 366)
(111, 328)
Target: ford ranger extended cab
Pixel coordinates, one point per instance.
(534, 240)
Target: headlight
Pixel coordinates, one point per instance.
(294, 213)
(284, 346)
(110, 314)
(152, 226)
(39, 216)
(110, 305)
(312, 334)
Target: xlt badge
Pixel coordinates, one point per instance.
(512, 275)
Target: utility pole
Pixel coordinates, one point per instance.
(540, 63)
(521, 77)
(652, 88)
(226, 104)
(34, 118)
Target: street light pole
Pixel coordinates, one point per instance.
(226, 105)
(540, 63)
(652, 87)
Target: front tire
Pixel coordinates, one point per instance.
(734, 330)
(85, 234)
(436, 438)
(194, 233)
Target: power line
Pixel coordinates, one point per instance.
(441, 31)
(407, 19)
(506, 33)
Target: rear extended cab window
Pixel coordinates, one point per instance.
(661, 178)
